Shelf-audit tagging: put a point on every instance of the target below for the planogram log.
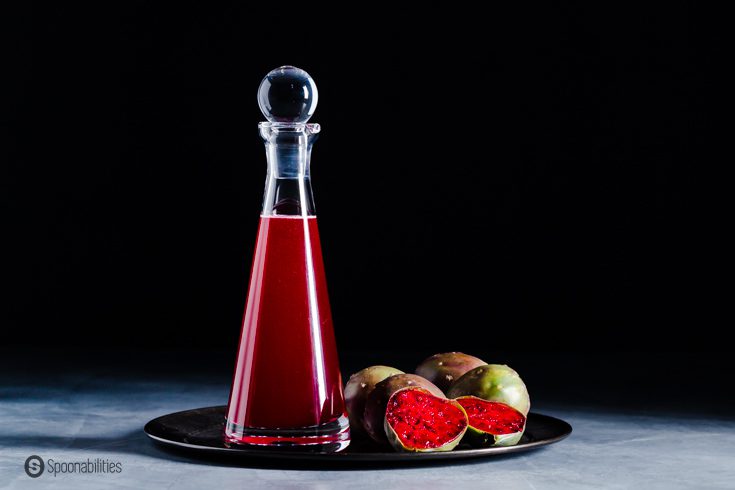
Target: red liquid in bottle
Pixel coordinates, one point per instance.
(287, 373)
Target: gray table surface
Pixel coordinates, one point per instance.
(75, 417)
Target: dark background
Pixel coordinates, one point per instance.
(516, 181)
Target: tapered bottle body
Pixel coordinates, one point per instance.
(287, 388)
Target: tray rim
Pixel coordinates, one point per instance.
(386, 456)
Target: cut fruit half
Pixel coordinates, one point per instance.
(492, 423)
(417, 421)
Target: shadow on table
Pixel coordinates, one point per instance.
(135, 442)
(138, 443)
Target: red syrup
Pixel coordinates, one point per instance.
(287, 373)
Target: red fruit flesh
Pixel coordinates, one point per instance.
(492, 417)
(424, 421)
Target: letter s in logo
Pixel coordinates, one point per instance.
(34, 466)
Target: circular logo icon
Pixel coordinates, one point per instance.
(34, 466)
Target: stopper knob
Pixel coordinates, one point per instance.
(287, 95)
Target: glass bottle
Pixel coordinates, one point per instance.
(287, 388)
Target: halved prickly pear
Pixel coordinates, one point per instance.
(495, 383)
(492, 423)
(357, 389)
(417, 421)
(377, 401)
(444, 369)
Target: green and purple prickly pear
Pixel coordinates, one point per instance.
(357, 389)
(444, 369)
(495, 383)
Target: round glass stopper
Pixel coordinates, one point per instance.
(287, 95)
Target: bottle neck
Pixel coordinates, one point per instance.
(288, 184)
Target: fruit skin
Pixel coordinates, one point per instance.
(357, 389)
(397, 444)
(479, 438)
(495, 383)
(377, 401)
(444, 369)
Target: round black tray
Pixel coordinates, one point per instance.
(200, 430)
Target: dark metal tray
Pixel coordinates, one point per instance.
(200, 431)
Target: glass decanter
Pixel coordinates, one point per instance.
(287, 388)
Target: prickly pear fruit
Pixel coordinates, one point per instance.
(377, 401)
(444, 369)
(357, 389)
(417, 421)
(492, 423)
(495, 383)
